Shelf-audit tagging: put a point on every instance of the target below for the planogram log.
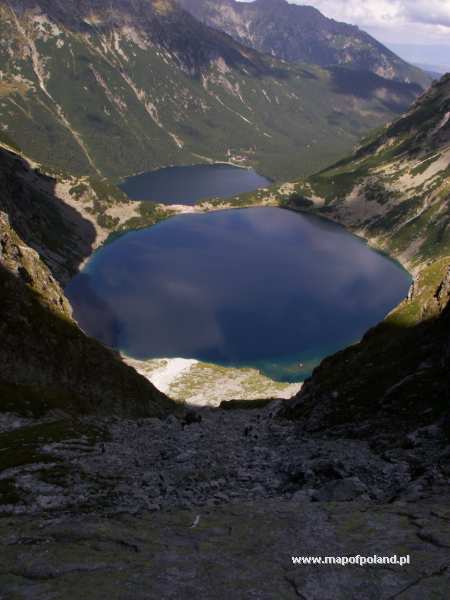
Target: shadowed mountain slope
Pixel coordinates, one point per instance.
(46, 362)
(396, 380)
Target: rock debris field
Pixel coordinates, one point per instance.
(214, 504)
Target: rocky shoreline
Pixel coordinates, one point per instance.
(200, 384)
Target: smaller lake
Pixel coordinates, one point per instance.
(188, 185)
(261, 287)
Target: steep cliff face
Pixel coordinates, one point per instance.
(114, 88)
(37, 212)
(64, 218)
(46, 362)
(302, 34)
(25, 265)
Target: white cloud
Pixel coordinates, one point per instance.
(369, 12)
(436, 12)
(394, 21)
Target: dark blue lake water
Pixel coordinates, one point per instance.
(188, 185)
(260, 287)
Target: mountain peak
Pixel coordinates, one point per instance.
(271, 3)
(298, 33)
(284, 4)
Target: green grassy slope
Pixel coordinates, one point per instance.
(395, 190)
(122, 88)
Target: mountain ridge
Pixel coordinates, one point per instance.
(107, 493)
(301, 33)
(395, 192)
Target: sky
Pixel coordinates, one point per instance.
(397, 22)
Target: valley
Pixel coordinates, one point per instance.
(143, 85)
(224, 306)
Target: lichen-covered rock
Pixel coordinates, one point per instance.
(26, 265)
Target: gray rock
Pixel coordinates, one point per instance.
(343, 490)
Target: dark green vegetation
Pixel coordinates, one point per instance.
(116, 88)
(101, 199)
(302, 34)
(149, 214)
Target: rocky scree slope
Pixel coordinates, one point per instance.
(46, 362)
(303, 34)
(120, 87)
(215, 505)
